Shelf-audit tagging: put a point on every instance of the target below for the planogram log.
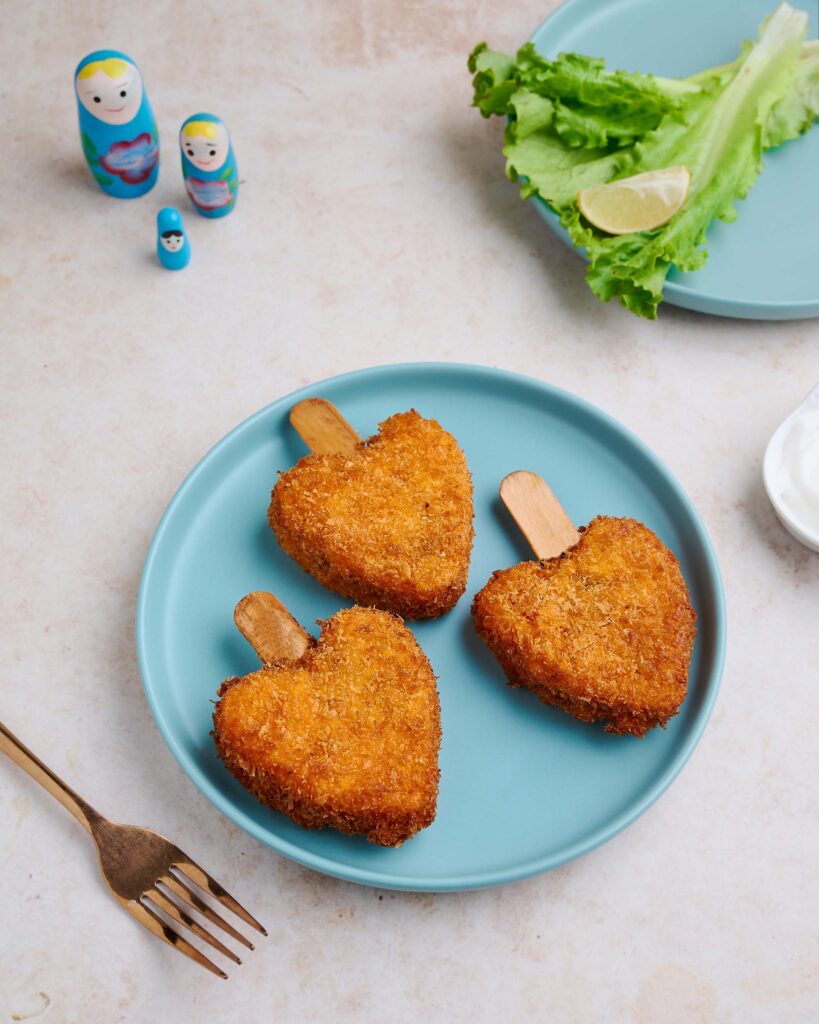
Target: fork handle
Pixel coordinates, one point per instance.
(30, 763)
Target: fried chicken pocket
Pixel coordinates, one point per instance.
(346, 736)
(605, 631)
(389, 525)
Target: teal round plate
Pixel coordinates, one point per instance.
(523, 786)
(764, 266)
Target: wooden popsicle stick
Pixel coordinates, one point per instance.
(269, 628)
(538, 513)
(322, 427)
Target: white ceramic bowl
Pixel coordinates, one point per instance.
(773, 458)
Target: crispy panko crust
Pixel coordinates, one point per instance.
(346, 737)
(389, 526)
(604, 632)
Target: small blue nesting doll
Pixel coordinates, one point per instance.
(117, 125)
(208, 165)
(172, 245)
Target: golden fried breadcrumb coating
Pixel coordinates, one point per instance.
(390, 525)
(345, 737)
(604, 632)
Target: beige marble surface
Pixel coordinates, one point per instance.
(374, 225)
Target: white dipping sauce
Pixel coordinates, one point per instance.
(795, 474)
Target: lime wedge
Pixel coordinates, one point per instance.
(639, 203)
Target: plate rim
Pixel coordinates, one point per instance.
(677, 293)
(465, 882)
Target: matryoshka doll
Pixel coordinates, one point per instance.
(117, 125)
(172, 245)
(209, 166)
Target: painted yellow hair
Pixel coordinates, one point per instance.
(111, 66)
(206, 128)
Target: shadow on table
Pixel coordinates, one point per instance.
(802, 562)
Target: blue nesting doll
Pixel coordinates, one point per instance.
(172, 245)
(117, 125)
(208, 165)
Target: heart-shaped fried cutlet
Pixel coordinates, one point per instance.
(389, 525)
(346, 737)
(604, 632)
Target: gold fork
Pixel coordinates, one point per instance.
(147, 874)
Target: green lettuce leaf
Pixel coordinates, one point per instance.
(588, 105)
(795, 113)
(573, 124)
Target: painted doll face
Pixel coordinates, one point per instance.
(114, 100)
(172, 240)
(204, 153)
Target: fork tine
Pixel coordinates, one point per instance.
(185, 893)
(154, 923)
(187, 867)
(170, 907)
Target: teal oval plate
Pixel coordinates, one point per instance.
(523, 787)
(764, 266)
